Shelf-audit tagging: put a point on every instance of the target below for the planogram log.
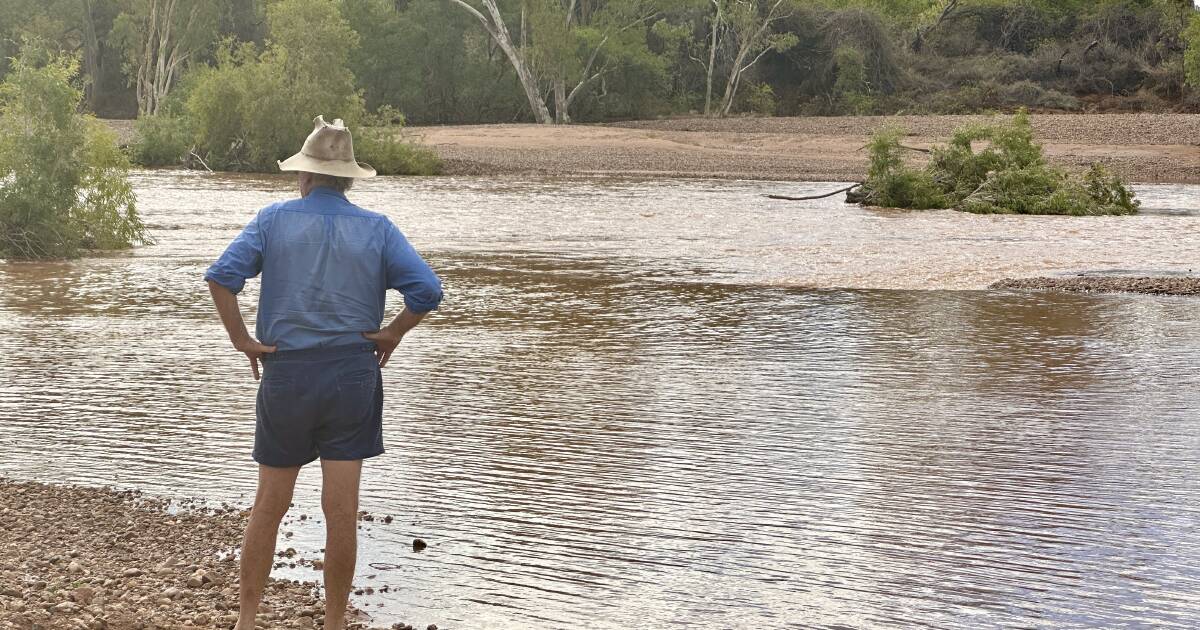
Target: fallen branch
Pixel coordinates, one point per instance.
(812, 197)
(201, 160)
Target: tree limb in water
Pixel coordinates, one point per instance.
(812, 197)
(903, 146)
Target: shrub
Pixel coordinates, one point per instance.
(389, 155)
(162, 140)
(1191, 55)
(892, 183)
(758, 98)
(1008, 176)
(63, 181)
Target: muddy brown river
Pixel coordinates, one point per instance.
(677, 404)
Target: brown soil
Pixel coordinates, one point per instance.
(1141, 147)
(73, 557)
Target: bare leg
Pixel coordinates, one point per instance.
(339, 500)
(271, 502)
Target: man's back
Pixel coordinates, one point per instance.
(326, 266)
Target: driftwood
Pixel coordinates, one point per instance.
(813, 197)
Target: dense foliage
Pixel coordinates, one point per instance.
(988, 169)
(63, 180)
(446, 61)
(252, 107)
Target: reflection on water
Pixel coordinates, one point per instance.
(623, 420)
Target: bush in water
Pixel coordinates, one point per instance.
(163, 140)
(63, 181)
(1008, 176)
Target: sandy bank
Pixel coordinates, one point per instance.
(74, 557)
(1146, 148)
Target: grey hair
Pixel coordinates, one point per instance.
(340, 184)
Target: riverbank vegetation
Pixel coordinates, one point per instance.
(987, 169)
(63, 180)
(253, 104)
(474, 61)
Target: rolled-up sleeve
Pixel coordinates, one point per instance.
(409, 274)
(243, 258)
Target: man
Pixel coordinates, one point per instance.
(326, 265)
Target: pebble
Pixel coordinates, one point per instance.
(83, 595)
(97, 580)
(1152, 285)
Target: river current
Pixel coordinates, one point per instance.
(678, 404)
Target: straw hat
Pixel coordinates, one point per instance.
(328, 150)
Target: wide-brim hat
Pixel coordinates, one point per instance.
(328, 150)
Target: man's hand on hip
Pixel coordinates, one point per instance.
(254, 351)
(386, 340)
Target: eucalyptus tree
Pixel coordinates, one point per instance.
(579, 43)
(749, 28)
(564, 47)
(158, 38)
(492, 19)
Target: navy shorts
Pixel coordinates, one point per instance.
(324, 402)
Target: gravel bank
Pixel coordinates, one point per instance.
(1106, 284)
(84, 558)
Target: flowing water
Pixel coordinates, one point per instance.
(677, 404)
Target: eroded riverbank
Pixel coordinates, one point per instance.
(79, 557)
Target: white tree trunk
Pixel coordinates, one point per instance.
(561, 104)
(162, 55)
(493, 23)
(712, 56)
(747, 44)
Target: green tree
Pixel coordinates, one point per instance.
(63, 181)
(452, 71)
(751, 31)
(249, 109)
(578, 43)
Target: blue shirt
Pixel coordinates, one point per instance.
(326, 267)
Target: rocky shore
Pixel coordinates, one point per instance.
(85, 558)
(1150, 285)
